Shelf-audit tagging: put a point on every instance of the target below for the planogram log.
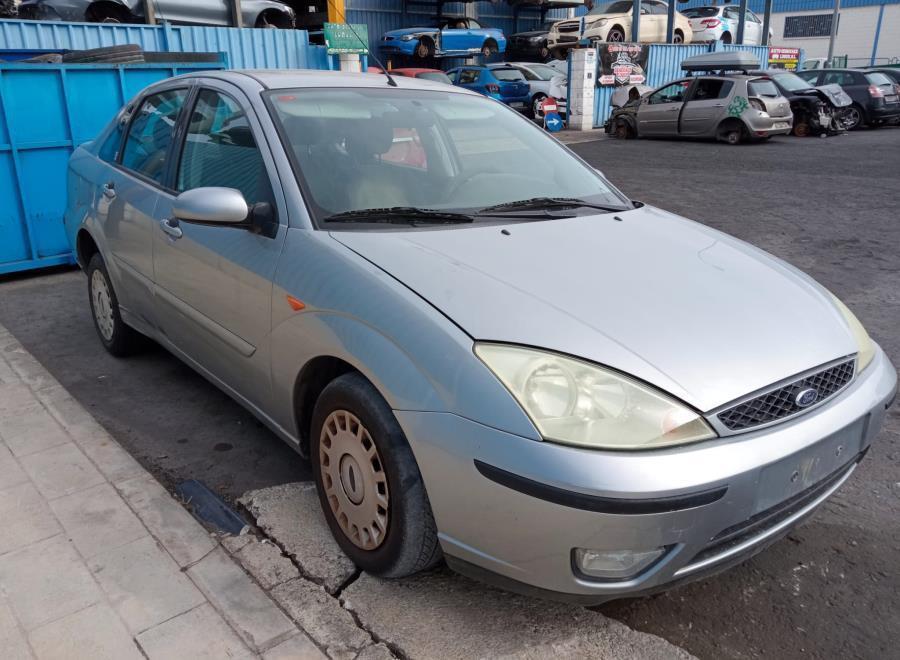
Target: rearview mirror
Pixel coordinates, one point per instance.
(211, 205)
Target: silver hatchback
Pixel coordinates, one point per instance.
(517, 369)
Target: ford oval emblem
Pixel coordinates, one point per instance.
(807, 397)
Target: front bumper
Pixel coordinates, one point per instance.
(399, 47)
(525, 540)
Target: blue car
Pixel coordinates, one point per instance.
(498, 81)
(451, 36)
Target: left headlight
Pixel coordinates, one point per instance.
(409, 37)
(864, 344)
(577, 403)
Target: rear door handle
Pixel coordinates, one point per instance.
(718, 105)
(109, 190)
(170, 226)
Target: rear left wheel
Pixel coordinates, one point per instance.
(117, 338)
(368, 481)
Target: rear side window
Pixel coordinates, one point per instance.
(150, 134)
(762, 88)
(220, 151)
(508, 74)
(710, 88)
(838, 78)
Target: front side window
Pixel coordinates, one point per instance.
(372, 148)
(220, 151)
(673, 93)
(150, 135)
(658, 8)
(468, 76)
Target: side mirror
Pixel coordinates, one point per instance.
(225, 206)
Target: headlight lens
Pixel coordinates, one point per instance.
(864, 343)
(599, 23)
(577, 403)
(408, 37)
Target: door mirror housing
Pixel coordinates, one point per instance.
(215, 206)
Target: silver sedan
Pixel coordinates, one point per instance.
(517, 369)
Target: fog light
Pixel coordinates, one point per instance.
(615, 564)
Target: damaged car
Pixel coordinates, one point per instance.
(822, 110)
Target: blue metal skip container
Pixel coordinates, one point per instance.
(46, 110)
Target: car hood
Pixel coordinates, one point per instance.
(693, 311)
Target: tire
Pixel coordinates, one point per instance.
(117, 338)
(801, 128)
(349, 413)
(855, 117)
(731, 132)
(615, 35)
(623, 130)
(544, 54)
(725, 38)
(678, 37)
(109, 54)
(536, 102)
(425, 49)
(489, 48)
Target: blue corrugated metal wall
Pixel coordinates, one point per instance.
(244, 48)
(663, 65)
(46, 110)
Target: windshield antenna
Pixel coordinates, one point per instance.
(384, 70)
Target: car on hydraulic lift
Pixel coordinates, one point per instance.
(728, 104)
(447, 36)
(255, 13)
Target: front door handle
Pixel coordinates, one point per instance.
(718, 105)
(109, 190)
(170, 226)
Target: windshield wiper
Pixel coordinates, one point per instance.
(402, 215)
(539, 203)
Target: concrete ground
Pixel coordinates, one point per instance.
(830, 589)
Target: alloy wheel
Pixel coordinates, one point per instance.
(615, 36)
(354, 479)
(853, 118)
(102, 305)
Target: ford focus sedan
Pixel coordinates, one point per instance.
(516, 369)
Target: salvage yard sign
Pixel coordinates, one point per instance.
(343, 39)
(623, 64)
(784, 58)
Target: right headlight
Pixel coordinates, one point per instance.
(599, 23)
(577, 403)
(864, 344)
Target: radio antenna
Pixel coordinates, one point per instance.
(384, 70)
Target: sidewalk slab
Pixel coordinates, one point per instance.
(144, 598)
(12, 637)
(93, 632)
(26, 517)
(10, 472)
(200, 634)
(61, 471)
(297, 647)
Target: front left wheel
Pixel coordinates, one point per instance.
(117, 338)
(369, 484)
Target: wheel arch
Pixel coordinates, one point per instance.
(85, 247)
(284, 20)
(113, 6)
(312, 379)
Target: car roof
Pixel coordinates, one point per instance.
(251, 79)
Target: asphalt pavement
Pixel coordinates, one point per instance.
(829, 206)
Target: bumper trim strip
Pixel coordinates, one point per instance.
(597, 503)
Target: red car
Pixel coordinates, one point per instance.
(414, 72)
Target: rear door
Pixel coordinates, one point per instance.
(215, 282)
(468, 78)
(658, 114)
(653, 25)
(130, 192)
(706, 106)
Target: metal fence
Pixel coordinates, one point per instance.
(663, 65)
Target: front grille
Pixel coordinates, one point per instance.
(782, 402)
(759, 523)
(568, 27)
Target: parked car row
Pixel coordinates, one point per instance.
(729, 98)
(610, 21)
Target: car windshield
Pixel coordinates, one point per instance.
(878, 78)
(701, 12)
(762, 87)
(437, 76)
(386, 148)
(508, 74)
(791, 81)
(543, 71)
(616, 7)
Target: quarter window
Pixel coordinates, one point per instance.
(147, 145)
(220, 151)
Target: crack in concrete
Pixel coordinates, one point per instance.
(337, 595)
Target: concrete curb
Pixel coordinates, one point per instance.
(98, 560)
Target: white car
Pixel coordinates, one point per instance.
(721, 24)
(541, 84)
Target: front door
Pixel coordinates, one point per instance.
(131, 189)
(706, 107)
(214, 283)
(659, 112)
(454, 35)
